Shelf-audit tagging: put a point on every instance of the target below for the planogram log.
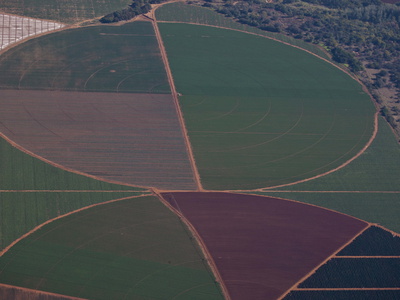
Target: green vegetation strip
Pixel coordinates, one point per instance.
(70, 11)
(183, 12)
(260, 113)
(100, 58)
(133, 249)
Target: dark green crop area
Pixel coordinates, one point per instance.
(343, 295)
(356, 273)
(130, 249)
(260, 113)
(70, 11)
(100, 58)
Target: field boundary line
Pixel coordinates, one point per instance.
(39, 292)
(295, 286)
(5, 250)
(164, 57)
(56, 165)
(201, 243)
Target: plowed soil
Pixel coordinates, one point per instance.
(129, 138)
(262, 246)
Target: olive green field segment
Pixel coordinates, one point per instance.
(382, 209)
(20, 171)
(68, 11)
(260, 113)
(130, 249)
(20, 212)
(377, 169)
(183, 12)
(99, 59)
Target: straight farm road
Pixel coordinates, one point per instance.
(176, 102)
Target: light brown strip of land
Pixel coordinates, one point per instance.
(201, 243)
(176, 101)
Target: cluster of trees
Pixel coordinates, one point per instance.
(138, 7)
(352, 30)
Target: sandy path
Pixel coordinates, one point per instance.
(201, 243)
(196, 174)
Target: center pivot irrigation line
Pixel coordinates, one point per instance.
(176, 102)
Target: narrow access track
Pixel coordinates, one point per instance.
(196, 174)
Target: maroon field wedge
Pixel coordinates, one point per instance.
(263, 246)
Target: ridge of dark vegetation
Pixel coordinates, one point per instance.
(137, 7)
(362, 35)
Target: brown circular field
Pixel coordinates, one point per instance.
(262, 246)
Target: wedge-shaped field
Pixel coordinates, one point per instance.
(375, 241)
(127, 138)
(99, 58)
(65, 11)
(263, 246)
(131, 249)
(260, 113)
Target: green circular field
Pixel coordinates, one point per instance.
(260, 113)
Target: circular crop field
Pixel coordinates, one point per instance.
(260, 113)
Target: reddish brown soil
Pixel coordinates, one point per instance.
(262, 246)
(128, 138)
